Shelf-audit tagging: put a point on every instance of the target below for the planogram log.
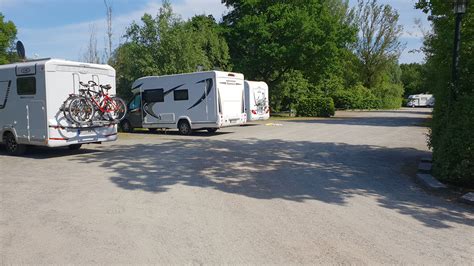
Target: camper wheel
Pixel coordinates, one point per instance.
(126, 126)
(74, 147)
(184, 127)
(13, 147)
(212, 130)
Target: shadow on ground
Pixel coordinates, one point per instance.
(275, 169)
(173, 132)
(370, 121)
(39, 152)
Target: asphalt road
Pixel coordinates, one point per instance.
(337, 190)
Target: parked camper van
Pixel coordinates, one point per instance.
(421, 100)
(202, 100)
(31, 98)
(256, 100)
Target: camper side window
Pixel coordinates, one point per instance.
(26, 86)
(181, 95)
(153, 96)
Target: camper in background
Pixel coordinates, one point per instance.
(31, 98)
(256, 100)
(421, 100)
(202, 100)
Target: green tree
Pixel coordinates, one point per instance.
(413, 78)
(7, 38)
(166, 44)
(269, 39)
(378, 45)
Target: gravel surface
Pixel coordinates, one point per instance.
(303, 191)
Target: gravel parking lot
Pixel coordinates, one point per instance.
(337, 190)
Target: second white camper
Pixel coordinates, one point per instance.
(256, 100)
(202, 100)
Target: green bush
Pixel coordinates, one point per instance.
(343, 99)
(316, 107)
(452, 140)
(390, 95)
(357, 97)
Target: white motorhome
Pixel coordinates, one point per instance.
(421, 100)
(31, 98)
(256, 100)
(202, 100)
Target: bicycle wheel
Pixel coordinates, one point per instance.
(65, 108)
(116, 108)
(81, 110)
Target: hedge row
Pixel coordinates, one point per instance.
(452, 139)
(388, 96)
(316, 107)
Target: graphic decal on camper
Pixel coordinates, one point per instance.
(138, 86)
(260, 100)
(209, 84)
(148, 107)
(4, 91)
(173, 89)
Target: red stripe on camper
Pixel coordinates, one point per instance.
(58, 139)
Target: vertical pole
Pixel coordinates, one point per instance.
(457, 47)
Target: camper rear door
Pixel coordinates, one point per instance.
(31, 125)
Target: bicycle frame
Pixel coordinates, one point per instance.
(103, 100)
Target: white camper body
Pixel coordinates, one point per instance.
(256, 100)
(421, 100)
(202, 100)
(31, 97)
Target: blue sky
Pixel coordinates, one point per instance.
(60, 28)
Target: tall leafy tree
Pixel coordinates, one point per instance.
(269, 39)
(7, 37)
(165, 44)
(413, 78)
(378, 45)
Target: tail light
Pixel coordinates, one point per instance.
(254, 112)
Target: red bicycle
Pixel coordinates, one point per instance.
(94, 103)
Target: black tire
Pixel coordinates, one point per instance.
(119, 109)
(152, 130)
(212, 130)
(184, 127)
(125, 126)
(74, 147)
(80, 110)
(13, 148)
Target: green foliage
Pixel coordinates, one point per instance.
(452, 134)
(269, 39)
(166, 44)
(389, 95)
(357, 97)
(452, 139)
(7, 38)
(413, 79)
(316, 107)
(378, 45)
(287, 94)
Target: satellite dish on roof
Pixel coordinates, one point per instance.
(20, 49)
